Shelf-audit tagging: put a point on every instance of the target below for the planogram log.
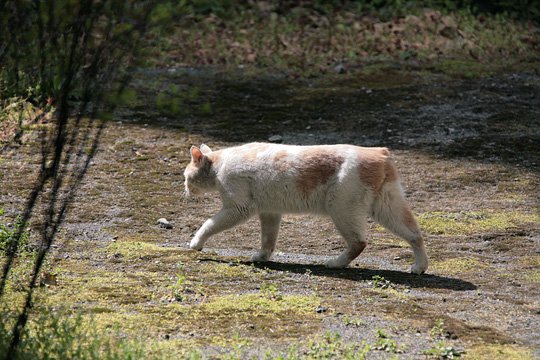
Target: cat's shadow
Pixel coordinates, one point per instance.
(363, 274)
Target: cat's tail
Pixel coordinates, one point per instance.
(390, 209)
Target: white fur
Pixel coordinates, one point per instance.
(271, 179)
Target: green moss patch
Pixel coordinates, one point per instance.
(498, 352)
(463, 68)
(259, 314)
(470, 222)
(533, 260)
(532, 276)
(258, 305)
(457, 265)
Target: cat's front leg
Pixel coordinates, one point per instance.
(269, 232)
(225, 219)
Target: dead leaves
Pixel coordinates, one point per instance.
(312, 40)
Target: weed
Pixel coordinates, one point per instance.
(438, 330)
(380, 282)
(57, 336)
(443, 351)
(8, 234)
(384, 343)
(238, 347)
(270, 291)
(348, 321)
(179, 287)
(333, 347)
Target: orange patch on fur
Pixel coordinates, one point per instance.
(376, 167)
(249, 152)
(280, 162)
(315, 168)
(409, 220)
(390, 171)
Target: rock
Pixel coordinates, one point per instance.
(275, 138)
(164, 223)
(340, 69)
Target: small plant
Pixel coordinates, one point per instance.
(8, 235)
(348, 321)
(180, 286)
(238, 348)
(443, 351)
(438, 331)
(333, 347)
(380, 282)
(271, 292)
(384, 343)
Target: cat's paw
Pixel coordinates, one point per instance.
(261, 256)
(336, 263)
(195, 245)
(418, 269)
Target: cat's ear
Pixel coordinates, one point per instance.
(196, 155)
(205, 149)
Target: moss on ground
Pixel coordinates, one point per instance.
(470, 222)
(532, 260)
(498, 352)
(456, 266)
(532, 276)
(464, 68)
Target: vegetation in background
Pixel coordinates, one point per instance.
(7, 236)
(310, 38)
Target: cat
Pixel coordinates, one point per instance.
(345, 182)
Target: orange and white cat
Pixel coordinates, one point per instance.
(345, 182)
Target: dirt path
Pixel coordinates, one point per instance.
(469, 156)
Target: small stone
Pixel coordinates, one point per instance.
(320, 309)
(164, 223)
(275, 138)
(340, 68)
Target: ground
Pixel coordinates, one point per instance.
(468, 150)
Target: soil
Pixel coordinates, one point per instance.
(468, 151)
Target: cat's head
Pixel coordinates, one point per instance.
(199, 175)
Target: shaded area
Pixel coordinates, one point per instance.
(398, 277)
(493, 120)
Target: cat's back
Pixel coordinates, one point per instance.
(309, 161)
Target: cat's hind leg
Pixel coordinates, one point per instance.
(225, 219)
(392, 211)
(352, 228)
(269, 232)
